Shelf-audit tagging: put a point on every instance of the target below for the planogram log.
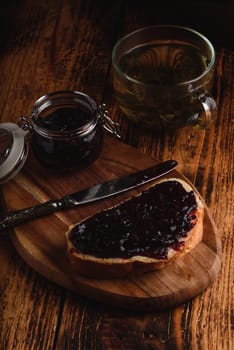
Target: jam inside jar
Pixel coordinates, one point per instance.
(67, 130)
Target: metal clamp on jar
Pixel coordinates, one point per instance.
(65, 130)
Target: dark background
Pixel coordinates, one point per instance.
(215, 19)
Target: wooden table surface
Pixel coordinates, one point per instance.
(56, 45)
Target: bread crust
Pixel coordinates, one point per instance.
(106, 268)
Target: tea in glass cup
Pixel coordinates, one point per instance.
(163, 76)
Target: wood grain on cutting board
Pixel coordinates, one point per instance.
(41, 243)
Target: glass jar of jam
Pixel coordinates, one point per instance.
(65, 130)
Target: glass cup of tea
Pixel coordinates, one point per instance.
(163, 76)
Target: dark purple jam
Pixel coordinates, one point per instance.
(67, 143)
(66, 119)
(147, 225)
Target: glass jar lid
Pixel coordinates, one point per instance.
(13, 150)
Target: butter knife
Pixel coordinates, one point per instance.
(89, 195)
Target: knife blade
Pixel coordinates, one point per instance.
(89, 195)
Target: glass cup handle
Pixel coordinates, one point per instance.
(210, 110)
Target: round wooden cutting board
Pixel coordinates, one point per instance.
(41, 242)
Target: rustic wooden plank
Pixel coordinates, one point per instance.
(50, 46)
(211, 164)
(25, 304)
(206, 321)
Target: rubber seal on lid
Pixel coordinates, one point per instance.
(13, 150)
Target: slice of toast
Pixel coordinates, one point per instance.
(141, 234)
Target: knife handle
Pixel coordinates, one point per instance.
(14, 218)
